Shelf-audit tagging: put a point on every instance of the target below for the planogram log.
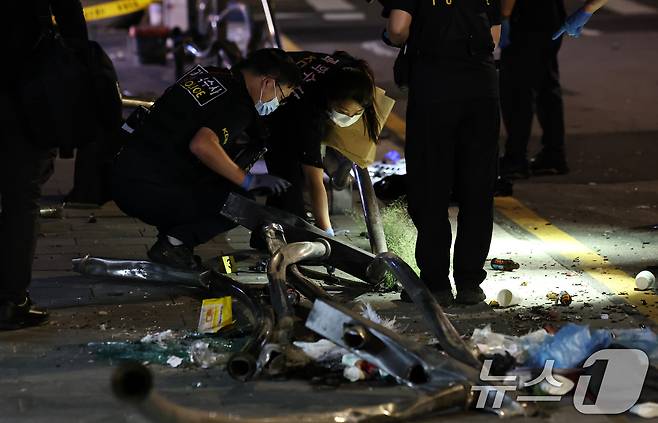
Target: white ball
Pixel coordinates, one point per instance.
(644, 280)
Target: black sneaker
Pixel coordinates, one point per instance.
(180, 256)
(514, 169)
(545, 165)
(17, 316)
(443, 297)
(470, 296)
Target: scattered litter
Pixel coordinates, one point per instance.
(647, 410)
(174, 361)
(322, 350)
(92, 218)
(103, 313)
(604, 316)
(569, 347)
(260, 267)
(645, 280)
(553, 296)
(494, 303)
(158, 337)
(507, 298)
(566, 385)
(51, 212)
(492, 343)
(358, 369)
(565, 298)
(641, 338)
(369, 313)
(157, 348)
(504, 264)
(216, 313)
(204, 357)
(524, 283)
(353, 373)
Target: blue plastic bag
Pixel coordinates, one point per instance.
(569, 347)
(641, 339)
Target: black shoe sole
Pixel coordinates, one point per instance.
(471, 300)
(405, 298)
(23, 324)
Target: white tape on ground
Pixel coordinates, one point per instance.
(629, 7)
(336, 17)
(330, 5)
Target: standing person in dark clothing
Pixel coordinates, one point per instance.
(337, 90)
(178, 167)
(530, 81)
(24, 165)
(452, 135)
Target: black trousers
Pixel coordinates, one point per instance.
(24, 169)
(188, 211)
(452, 145)
(283, 164)
(93, 169)
(529, 82)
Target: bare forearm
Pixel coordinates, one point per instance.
(319, 202)
(398, 26)
(205, 146)
(320, 207)
(495, 34)
(506, 8)
(592, 6)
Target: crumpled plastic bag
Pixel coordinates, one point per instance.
(489, 342)
(569, 347)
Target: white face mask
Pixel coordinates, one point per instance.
(265, 108)
(343, 120)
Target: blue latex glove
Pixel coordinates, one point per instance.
(264, 182)
(574, 24)
(505, 31)
(330, 231)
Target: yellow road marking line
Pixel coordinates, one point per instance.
(560, 243)
(288, 44)
(557, 241)
(395, 123)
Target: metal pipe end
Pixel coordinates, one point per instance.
(327, 247)
(132, 382)
(417, 375)
(356, 336)
(79, 263)
(241, 366)
(271, 229)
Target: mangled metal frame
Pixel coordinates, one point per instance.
(443, 379)
(416, 365)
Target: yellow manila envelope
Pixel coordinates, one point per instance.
(216, 313)
(353, 142)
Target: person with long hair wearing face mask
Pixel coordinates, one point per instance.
(337, 91)
(178, 168)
